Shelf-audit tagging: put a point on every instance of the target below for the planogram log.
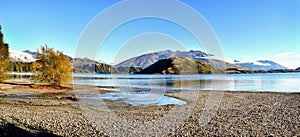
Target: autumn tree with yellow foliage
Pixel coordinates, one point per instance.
(52, 67)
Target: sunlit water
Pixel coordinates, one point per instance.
(150, 89)
(136, 99)
(272, 82)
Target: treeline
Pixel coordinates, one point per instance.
(249, 71)
(20, 67)
(86, 68)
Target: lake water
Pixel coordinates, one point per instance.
(150, 89)
(271, 82)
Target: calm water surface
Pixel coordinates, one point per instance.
(150, 89)
(274, 82)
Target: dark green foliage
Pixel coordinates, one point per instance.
(4, 57)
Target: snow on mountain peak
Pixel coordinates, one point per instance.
(261, 63)
(258, 63)
(20, 56)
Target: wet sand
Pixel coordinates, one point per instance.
(53, 112)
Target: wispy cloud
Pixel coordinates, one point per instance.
(289, 59)
(287, 55)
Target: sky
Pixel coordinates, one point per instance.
(247, 30)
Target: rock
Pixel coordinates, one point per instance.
(73, 98)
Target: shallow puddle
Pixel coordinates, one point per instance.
(132, 99)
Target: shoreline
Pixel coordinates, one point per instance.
(238, 114)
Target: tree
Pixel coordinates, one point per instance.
(52, 67)
(4, 57)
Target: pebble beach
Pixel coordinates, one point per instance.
(57, 112)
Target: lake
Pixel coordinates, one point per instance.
(151, 89)
(271, 82)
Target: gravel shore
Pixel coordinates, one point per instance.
(54, 112)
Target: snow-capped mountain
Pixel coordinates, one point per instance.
(148, 59)
(19, 56)
(260, 65)
(31, 53)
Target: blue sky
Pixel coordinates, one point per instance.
(248, 30)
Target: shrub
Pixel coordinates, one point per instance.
(52, 67)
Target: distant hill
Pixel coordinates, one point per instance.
(180, 65)
(261, 65)
(240, 71)
(298, 69)
(129, 70)
(85, 65)
(146, 60)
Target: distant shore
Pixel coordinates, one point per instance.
(51, 112)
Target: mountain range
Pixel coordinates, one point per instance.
(33, 54)
(141, 62)
(146, 60)
(80, 65)
(261, 65)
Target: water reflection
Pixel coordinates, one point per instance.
(19, 75)
(243, 82)
(275, 82)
